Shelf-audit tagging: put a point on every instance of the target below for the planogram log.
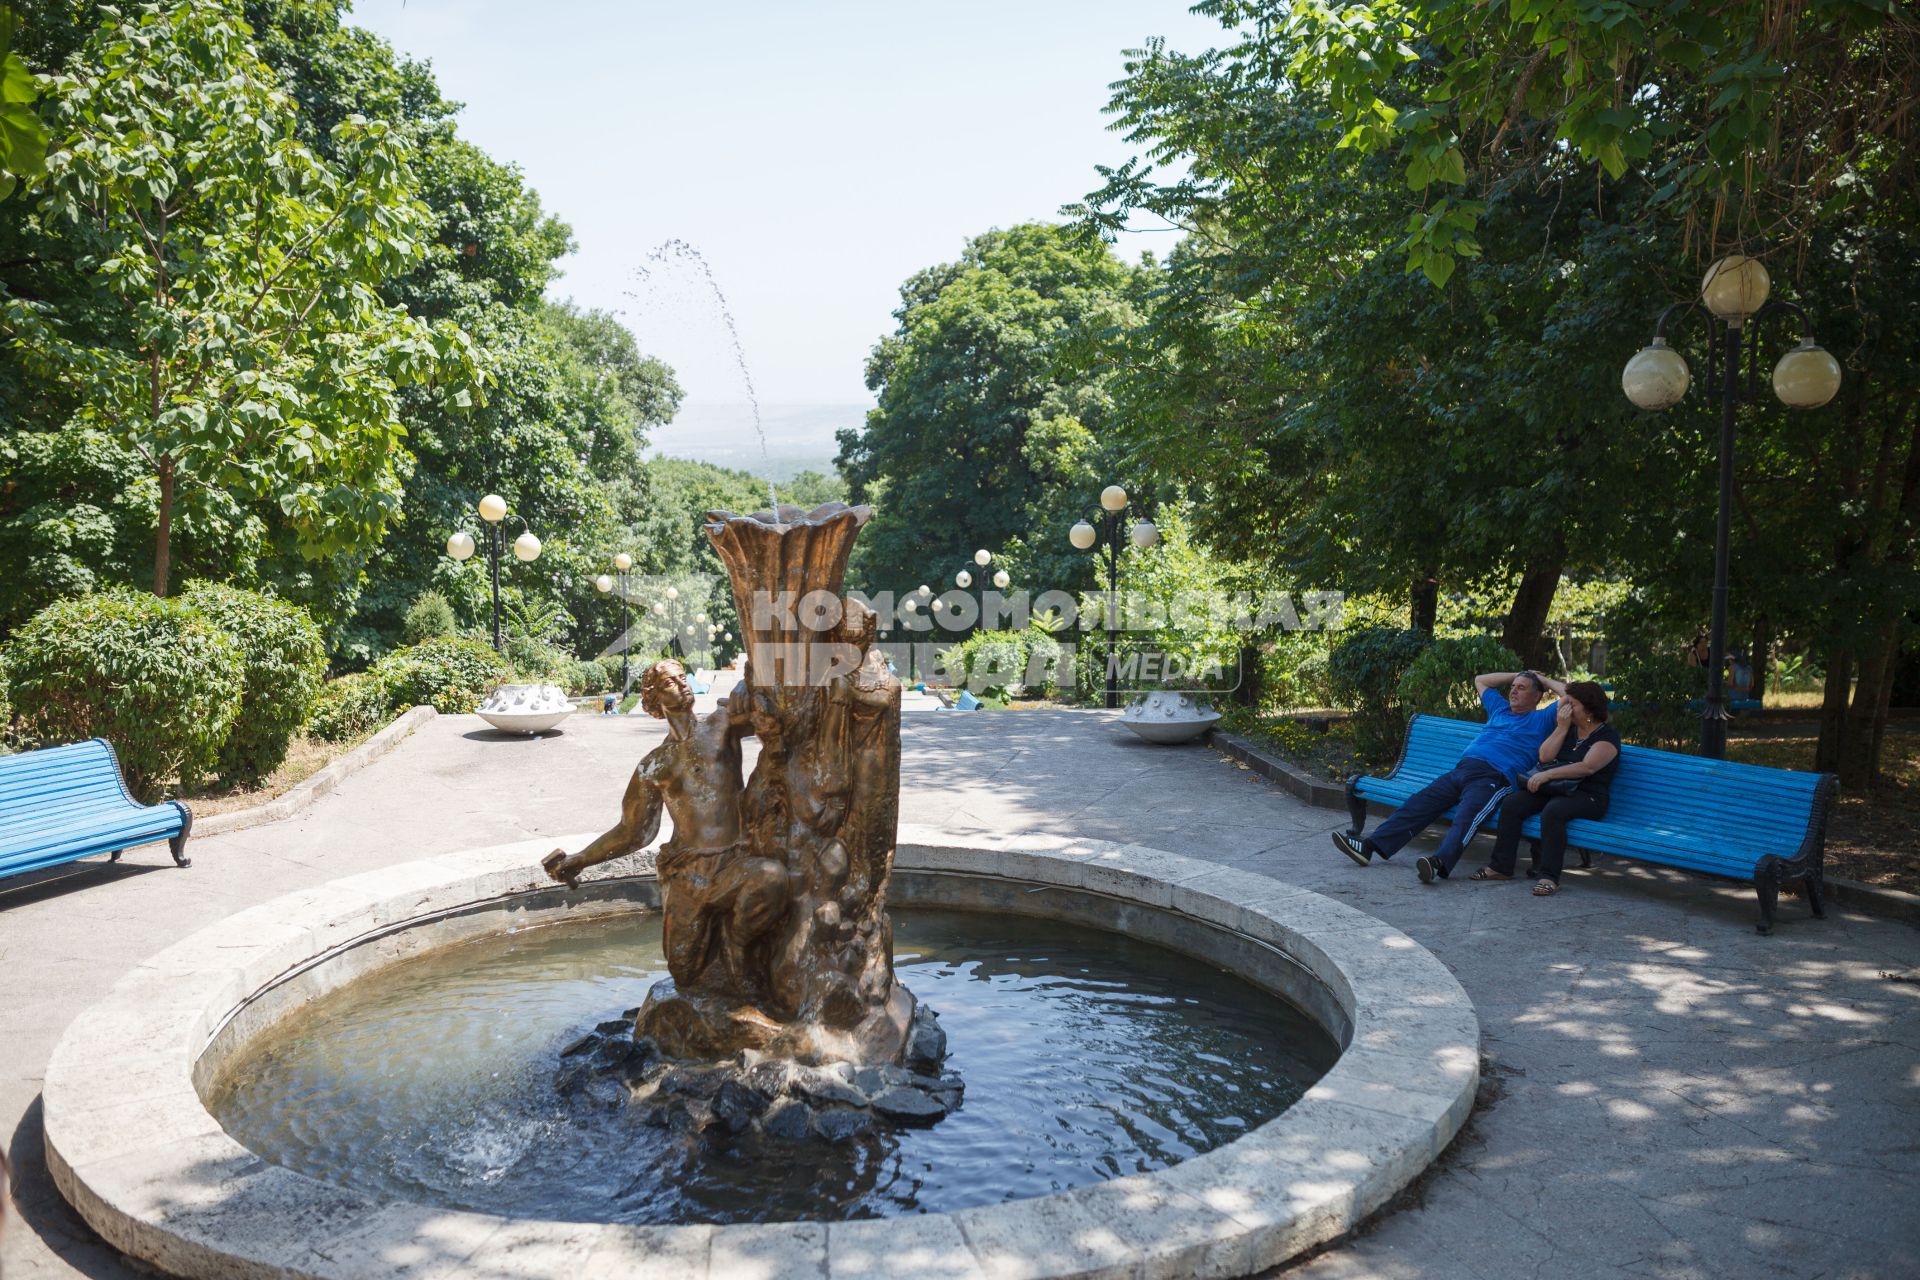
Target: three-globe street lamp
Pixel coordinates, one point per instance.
(1734, 294)
(605, 582)
(1113, 505)
(526, 548)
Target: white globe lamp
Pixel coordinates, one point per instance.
(1081, 535)
(527, 548)
(1144, 534)
(460, 545)
(1807, 376)
(1735, 287)
(1657, 377)
(493, 508)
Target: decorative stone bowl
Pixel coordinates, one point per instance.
(1168, 717)
(526, 708)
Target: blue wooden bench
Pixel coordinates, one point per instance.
(1765, 826)
(63, 803)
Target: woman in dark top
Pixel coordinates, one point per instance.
(1578, 759)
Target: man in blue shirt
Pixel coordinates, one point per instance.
(1516, 726)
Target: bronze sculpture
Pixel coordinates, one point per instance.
(774, 889)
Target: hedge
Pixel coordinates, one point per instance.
(349, 707)
(153, 676)
(451, 674)
(284, 659)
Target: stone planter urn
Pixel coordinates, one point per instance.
(526, 708)
(1168, 716)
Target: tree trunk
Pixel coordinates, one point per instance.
(1859, 761)
(1251, 690)
(1426, 603)
(1760, 661)
(1833, 709)
(163, 543)
(1525, 632)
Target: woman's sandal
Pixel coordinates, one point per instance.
(1488, 873)
(1545, 888)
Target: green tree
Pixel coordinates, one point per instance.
(1749, 120)
(989, 405)
(570, 399)
(231, 333)
(23, 139)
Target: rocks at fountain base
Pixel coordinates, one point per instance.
(755, 1095)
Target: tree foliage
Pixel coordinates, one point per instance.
(989, 410)
(1750, 121)
(230, 331)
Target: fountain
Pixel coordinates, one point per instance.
(774, 888)
(704, 1060)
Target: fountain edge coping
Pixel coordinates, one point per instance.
(133, 1148)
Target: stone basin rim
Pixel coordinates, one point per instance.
(139, 1156)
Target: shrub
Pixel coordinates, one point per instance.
(1652, 683)
(451, 674)
(1044, 658)
(154, 677)
(537, 662)
(348, 707)
(1293, 670)
(1653, 693)
(1363, 674)
(1312, 682)
(1440, 680)
(993, 664)
(284, 659)
(428, 618)
(594, 675)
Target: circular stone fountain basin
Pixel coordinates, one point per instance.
(132, 1143)
(1084, 1054)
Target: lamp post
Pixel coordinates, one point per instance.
(1734, 295)
(526, 548)
(1083, 536)
(605, 582)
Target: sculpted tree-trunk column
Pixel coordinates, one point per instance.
(774, 891)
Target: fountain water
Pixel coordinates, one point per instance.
(677, 250)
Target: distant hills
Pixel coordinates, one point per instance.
(799, 436)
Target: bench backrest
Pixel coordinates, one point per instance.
(56, 783)
(1745, 805)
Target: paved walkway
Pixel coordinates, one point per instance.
(1670, 1095)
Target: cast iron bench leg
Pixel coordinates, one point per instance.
(1815, 887)
(1766, 884)
(179, 843)
(1356, 809)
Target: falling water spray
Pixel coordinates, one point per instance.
(680, 250)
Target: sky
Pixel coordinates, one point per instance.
(816, 154)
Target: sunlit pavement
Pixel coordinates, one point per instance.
(1670, 1094)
